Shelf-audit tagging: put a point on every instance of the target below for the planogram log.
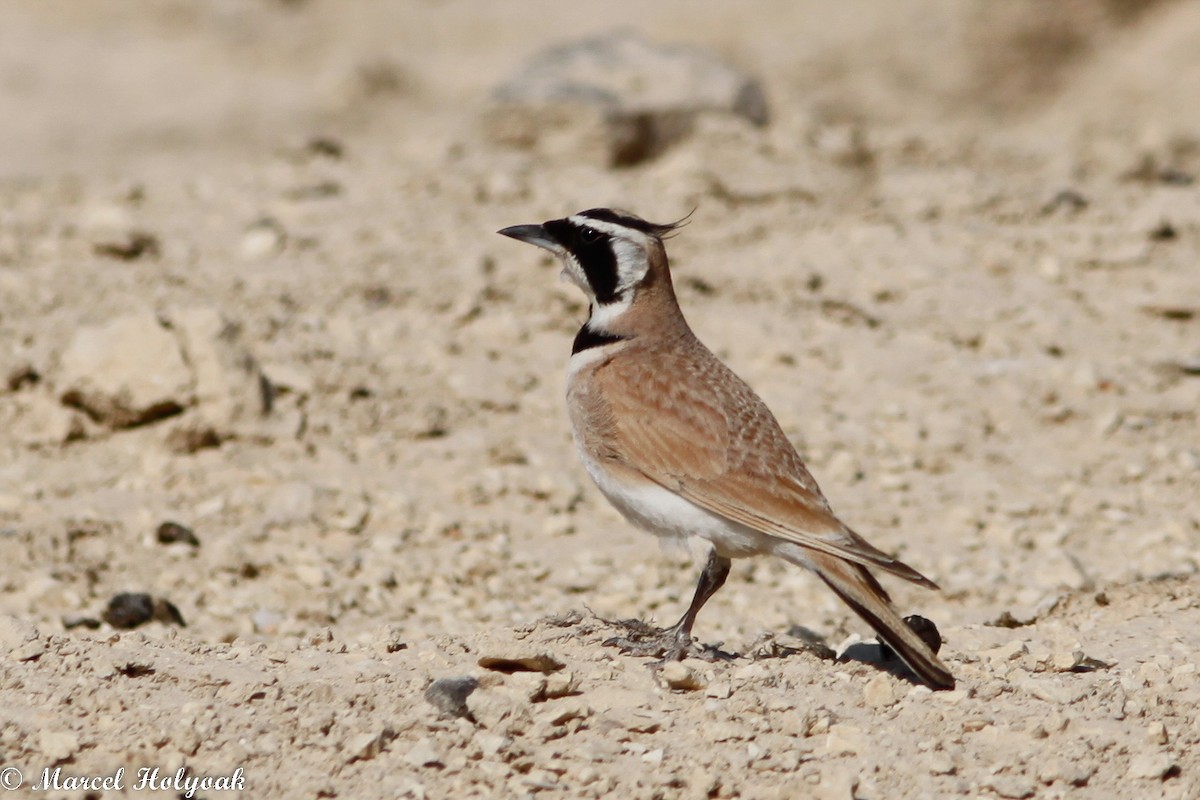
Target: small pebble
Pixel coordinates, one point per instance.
(366, 746)
(423, 754)
(1006, 652)
(21, 376)
(129, 610)
(845, 739)
(172, 532)
(567, 710)
(264, 239)
(15, 632)
(879, 692)
(449, 695)
(1015, 787)
(57, 745)
(561, 684)
(941, 764)
(1149, 766)
(129, 247)
(681, 677)
(719, 691)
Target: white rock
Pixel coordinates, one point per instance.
(262, 240)
(290, 377)
(490, 744)
(231, 390)
(941, 764)
(845, 739)
(42, 421)
(311, 575)
(423, 754)
(561, 684)
(104, 219)
(1015, 787)
(366, 746)
(1050, 689)
(57, 746)
(1150, 765)
(501, 711)
(681, 677)
(624, 96)
(125, 372)
(720, 691)
(879, 692)
(1008, 651)
(835, 784)
(28, 651)
(15, 632)
(564, 711)
(1065, 661)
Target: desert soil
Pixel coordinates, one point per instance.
(959, 262)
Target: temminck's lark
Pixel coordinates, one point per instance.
(682, 447)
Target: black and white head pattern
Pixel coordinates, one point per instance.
(606, 253)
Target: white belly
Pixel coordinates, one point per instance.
(665, 514)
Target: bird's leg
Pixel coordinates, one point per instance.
(675, 643)
(712, 578)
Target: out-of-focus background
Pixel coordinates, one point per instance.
(282, 442)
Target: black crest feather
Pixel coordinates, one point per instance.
(659, 229)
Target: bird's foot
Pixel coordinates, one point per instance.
(665, 644)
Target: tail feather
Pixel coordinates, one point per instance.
(859, 590)
(871, 556)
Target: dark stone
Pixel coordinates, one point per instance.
(129, 610)
(449, 695)
(173, 532)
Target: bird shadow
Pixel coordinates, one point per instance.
(882, 658)
(798, 640)
(874, 654)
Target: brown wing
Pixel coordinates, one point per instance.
(707, 436)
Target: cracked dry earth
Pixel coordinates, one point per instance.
(960, 263)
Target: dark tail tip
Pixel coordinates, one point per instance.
(932, 672)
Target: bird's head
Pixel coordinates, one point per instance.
(608, 254)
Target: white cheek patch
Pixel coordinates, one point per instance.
(632, 264)
(629, 249)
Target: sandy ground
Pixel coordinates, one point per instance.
(960, 264)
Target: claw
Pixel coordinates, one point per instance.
(675, 643)
(663, 644)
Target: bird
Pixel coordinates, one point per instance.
(682, 447)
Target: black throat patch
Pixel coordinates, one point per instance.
(587, 338)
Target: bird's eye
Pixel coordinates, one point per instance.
(589, 235)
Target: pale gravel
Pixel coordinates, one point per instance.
(976, 378)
